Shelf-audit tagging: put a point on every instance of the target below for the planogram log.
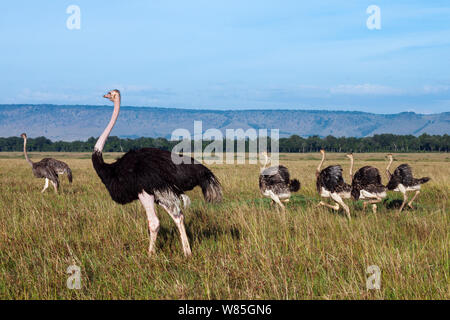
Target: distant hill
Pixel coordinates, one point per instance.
(76, 122)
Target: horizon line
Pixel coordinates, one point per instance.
(214, 110)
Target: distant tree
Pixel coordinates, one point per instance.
(295, 143)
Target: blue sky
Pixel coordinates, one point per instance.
(229, 54)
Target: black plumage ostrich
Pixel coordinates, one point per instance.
(403, 181)
(366, 185)
(275, 182)
(47, 168)
(153, 175)
(331, 184)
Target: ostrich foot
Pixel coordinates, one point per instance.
(151, 252)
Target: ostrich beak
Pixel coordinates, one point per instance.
(107, 96)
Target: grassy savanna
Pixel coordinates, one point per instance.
(243, 248)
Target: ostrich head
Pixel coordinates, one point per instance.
(113, 95)
(350, 155)
(24, 135)
(390, 156)
(322, 151)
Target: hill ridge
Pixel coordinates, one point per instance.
(79, 122)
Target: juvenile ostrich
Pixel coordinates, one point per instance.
(331, 184)
(153, 175)
(403, 181)
(366, 185)
(274, 182)
(47, 168)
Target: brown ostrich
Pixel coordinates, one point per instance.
(275, 182)
(403, 181)
(47, 168)
(331, 184)
(366, 185)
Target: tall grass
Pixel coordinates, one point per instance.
(243, 248)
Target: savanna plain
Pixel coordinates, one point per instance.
(243, 248)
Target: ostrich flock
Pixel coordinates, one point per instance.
(152, 176)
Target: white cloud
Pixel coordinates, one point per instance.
(33, 96)
(436, 89)
(365, 89)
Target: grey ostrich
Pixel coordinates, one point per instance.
(47, 168)
(366, 185)
(274, 182)
(331, 184)
(403, 181)
(153, 176)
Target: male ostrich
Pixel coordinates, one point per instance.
(366, 185)
(153, 175)
(403, 181)
(331, 184)
(274, 182)
(47, 168)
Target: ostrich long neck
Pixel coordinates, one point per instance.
(266, 160)
(351, 168)
(101, 141)
(25, 152)
(388, 166)
(320, 164)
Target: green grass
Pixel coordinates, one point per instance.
(243, 248)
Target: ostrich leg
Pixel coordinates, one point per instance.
(335, 207)
(186, 201)
(171, 203)
(178, 218)
(45, 186)
(148, 202)
(413, 198)
(339, 200)
(405, 196)
(55, 186)
(374, 204)
(276, 199)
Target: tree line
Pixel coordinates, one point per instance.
(295, 143)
